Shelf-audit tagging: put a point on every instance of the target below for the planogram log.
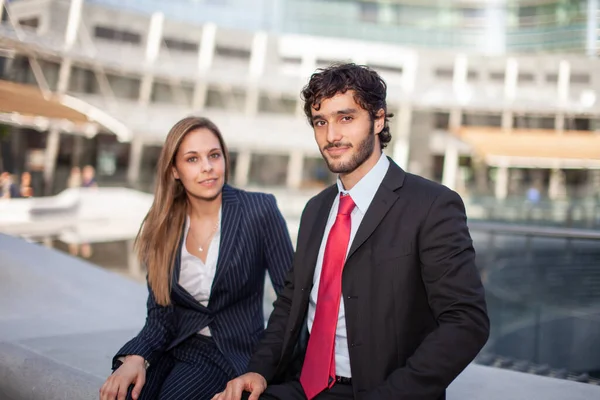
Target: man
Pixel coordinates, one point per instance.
(384, 300)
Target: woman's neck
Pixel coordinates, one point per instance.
(200, 208)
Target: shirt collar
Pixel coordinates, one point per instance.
(364, 191)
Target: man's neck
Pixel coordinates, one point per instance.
(349, 180)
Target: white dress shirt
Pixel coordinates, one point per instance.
(196, 276)
(362, 194)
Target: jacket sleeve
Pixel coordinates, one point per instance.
(154, 337)
(456, 298)
(278, 250)
(268, 354)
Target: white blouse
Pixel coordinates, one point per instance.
(196, 276)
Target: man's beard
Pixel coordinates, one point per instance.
(363, 152)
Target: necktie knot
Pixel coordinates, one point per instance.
(346, 205)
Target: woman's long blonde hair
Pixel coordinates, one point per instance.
(158, 238)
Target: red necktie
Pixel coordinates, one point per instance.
(318, 371)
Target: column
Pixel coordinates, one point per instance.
(507, 120)
(73, 22)
(592, 34)
(556, 186)
(133, 264)
(511, 75)
(459, 80)
(494, 39)
(52, 143)
(2, 2)
(450, 172)
(401, 136)
(258, 60)
(501, 189)
(307, 67)
(242, 168)
(402, 128)
(77, 151)
(564, 76)
(153, 42)
(455, 120)
(295, 170)
(205, 59)
(136, 152)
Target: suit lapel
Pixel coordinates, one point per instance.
(230, 220)
(382, 202)
(315, 235)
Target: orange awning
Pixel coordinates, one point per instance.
(28, 100)
(532, 143)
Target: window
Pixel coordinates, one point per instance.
(442, 120)
(230, 52)
(444, 73)
(369, 12)
(117, 35)
(580, 79)
(533, 122)
(386, 69)
(497, 76)
(526, 77)
(30, 22)
(181, 45)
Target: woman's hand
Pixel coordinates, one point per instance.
(132, 371)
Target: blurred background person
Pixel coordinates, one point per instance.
(25, 188)
(74, 180)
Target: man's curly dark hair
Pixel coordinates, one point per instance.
(369, 91)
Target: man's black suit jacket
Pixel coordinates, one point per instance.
(414, 303)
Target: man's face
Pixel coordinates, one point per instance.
(345, 132)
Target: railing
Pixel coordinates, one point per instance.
(543, 292)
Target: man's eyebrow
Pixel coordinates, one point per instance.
(344, 111)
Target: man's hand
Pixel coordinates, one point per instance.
(132, 371)
(250, 382)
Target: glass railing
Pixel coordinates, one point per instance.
(543, 294)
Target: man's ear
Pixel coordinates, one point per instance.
(379, 121)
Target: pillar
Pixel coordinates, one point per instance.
(136, 151)
(73, 22)
(152, 50)
(52, 144)
(205, 59)
(242, 168)
(450, 171)
(501, 189)
(592, 33)
(258, 59)
(556, 186)
(401, 139)
(307, 67)
(295, 170)
(133, 264)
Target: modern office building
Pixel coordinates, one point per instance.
(490, 97)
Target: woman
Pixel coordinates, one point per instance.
(206, 246)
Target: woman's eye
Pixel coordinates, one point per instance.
(192, 159)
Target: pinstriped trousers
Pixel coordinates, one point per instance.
(195, 369)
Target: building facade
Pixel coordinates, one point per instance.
(474, 109)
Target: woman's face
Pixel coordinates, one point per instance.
(200, 164)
